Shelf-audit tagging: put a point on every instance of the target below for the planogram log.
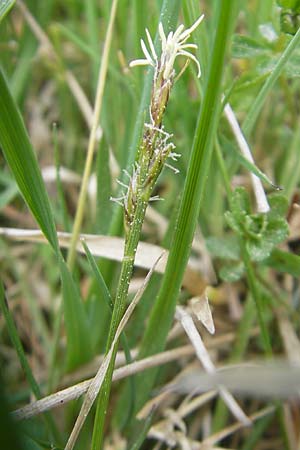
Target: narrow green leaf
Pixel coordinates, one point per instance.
(98, 276)
(140, 432)
(5, 7)
(258, 103)
(249, 165)
(14, 336)
(79, 348)
(22, 161)
(162, 313)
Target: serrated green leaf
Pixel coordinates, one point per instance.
(258, 250)
(240, 203)
(255, 225)
(245, 47)
(279, 205)
(224, 248)
(233, 272)
(233, 223)
(5, 7)
(79, 348)
(22, 161)
(275, 232)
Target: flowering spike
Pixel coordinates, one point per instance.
(172, 46)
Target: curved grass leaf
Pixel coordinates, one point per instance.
(258, 103)
(5, 7)
(79, 347)
(22, 161)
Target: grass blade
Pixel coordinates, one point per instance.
(163, 310)
(5, 7)
(257, 105)
(76, 323)
(22, 161)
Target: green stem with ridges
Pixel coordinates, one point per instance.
(131, 243)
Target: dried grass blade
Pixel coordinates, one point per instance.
(111, 247)
(203, 355)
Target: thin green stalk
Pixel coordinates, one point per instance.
(223, 169)
(162, 313)
(257, 299)
(119, 308)
(92, 139)
(256, 106)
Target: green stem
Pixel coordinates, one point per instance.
(131, 243)
(257, 299)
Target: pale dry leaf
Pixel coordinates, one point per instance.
(49, 174)
(203, 355)
(276, 379)
(112, 247)
(201, 309)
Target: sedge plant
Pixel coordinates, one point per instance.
(154, 150)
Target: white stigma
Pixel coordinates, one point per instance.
(172, 46)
